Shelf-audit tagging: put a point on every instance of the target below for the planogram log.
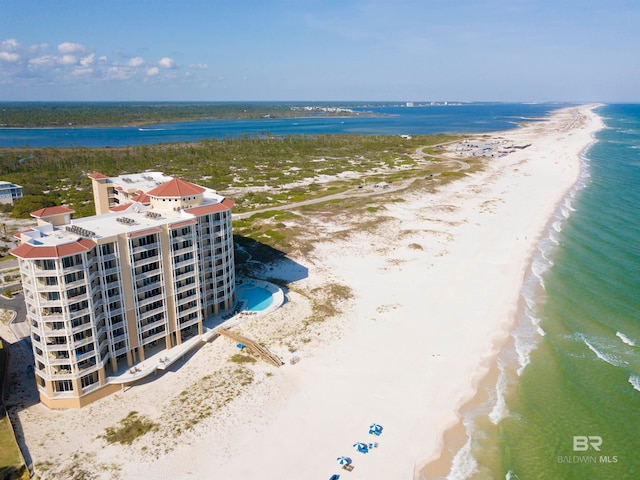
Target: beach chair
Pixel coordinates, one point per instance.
(348, 467)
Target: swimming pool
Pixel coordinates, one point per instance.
(258, 299)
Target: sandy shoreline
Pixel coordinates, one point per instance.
(435, 279)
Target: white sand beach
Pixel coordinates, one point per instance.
(435, 280)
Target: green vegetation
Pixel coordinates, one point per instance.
(50, 114)
(60, 175)
(129, 428)
(242, 358)
(11, 465)
(327, 299)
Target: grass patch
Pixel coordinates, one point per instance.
(327, 300)
(11, 465)
(129, 428)
(242, 358)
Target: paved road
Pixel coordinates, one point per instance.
(358, 192)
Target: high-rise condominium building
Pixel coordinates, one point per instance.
(103, 293)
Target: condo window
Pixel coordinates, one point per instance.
(63, 386)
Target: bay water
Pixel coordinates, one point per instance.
(374, 119)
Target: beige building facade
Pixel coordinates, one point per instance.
(104, 293)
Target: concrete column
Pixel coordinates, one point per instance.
(77, 387)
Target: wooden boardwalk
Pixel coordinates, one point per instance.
(253, 346)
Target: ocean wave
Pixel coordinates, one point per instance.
(605, 357)
(500, 409)
(625, 339)
(464, 464)
(634, 380)
(151, 129)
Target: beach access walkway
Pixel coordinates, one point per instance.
(253, 346)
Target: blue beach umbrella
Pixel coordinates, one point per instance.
(344, 460)
(361, 447)
(375, 429)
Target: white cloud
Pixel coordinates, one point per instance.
(166, 62)
(199, 65)
(88, 60)
(44, 61)
(9, 57)
(82, 71)
(10, 44)
(118, 73)
(68, 60)
(152, 72)
(135, 62)
(70, 47)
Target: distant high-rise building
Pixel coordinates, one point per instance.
(102, 293)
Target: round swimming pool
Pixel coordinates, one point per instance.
(257, 298)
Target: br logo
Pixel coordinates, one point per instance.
(582, 444)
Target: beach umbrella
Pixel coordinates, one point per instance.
(375, 429)
(344, 460)
(361, 447)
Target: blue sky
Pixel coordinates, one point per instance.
(420, 50)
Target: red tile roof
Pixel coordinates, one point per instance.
(175, 188)
(225, 204)
(119, 208)
(141, 198)
(183, 224)
(51, 211)
(144, 232)
(29, 251)
(97, 176)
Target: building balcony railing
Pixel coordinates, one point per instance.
(183, 251)
(83, 342)
(80, 313)
(146, 248)
(55, 347)
(187, 311)
(144, 275)
(148, 288)
(52, 360)
(153, 338)
(119, 338)
(151, 313)
(81, 327)
(83, 356)
(151, 325)
(184, 276)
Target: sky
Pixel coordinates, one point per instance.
(320, 50)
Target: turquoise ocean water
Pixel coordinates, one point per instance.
(567, 403)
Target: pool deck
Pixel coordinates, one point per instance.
(163, 359)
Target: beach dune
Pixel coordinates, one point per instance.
(435, 289)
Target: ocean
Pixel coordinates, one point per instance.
(387, 119)
(568, 394)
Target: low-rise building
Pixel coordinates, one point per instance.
(9, 192)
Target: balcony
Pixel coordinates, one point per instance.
(83, 356)
(151, 313)
(151, 325)
(146, 248)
